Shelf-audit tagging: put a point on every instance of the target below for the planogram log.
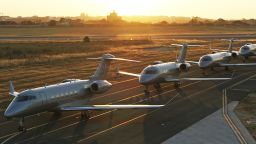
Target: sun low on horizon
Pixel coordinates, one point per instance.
(132, 7)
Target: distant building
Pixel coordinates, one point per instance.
(114, 18)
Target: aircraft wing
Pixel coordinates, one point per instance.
(192, 62)
(240, 64)
(194, 79)
(203, 79)
(129, 74)
(108, 107)
(218, 50)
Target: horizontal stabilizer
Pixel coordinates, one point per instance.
(129, 74)
(218, 50)
(108, 107)
(122, 59)
(181, 45)
(204, 79)
(113, 58)
(194, 79)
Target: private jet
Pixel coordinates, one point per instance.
(56, 97)
(161, 72)
(220, 58)
(248, 50)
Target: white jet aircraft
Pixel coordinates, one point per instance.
(220, 59)
(161, 72)
(248, 50)
(56, 97)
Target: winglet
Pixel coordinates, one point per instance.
(12, 91)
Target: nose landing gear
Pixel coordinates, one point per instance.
(21, 127)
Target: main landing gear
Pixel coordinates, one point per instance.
(157, 86)
(21, 127)
(226, 68)
(146, 91)
(85, 115)
(177, 84)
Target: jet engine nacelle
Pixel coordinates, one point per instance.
(184, 67)
(100, 86)
(157, 62)
(234, 54)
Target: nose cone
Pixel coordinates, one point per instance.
(9, 112)
(109, 85)
(243, 52)
(14, 110)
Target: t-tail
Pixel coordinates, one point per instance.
(103, 68)
(183, 52)
(230, 46)
(12, 91)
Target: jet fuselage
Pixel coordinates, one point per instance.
(50, 98)
(213, 60)
(157, 73)
(248, 50)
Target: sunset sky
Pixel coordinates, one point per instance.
(228, 9)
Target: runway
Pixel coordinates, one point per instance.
(184, 106)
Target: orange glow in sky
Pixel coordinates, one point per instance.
(228, 9)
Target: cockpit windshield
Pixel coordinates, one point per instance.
(245, 48)
(206, 58)
(151, 71)
(25, 98)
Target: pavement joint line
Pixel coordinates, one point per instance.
(234, 128)
(76, 114)
(229, 121)
(5, 141)
(246, 90)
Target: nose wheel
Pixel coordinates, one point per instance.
(21, 127)
(146, 91)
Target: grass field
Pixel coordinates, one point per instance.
(122, 30)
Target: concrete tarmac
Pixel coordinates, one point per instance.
(185, 106)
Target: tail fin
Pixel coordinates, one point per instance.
(183, 52)
(231, 41)
(12, 91)
(230, 47)
(103, 67)
(102, 70)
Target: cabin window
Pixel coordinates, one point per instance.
(25, 98)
